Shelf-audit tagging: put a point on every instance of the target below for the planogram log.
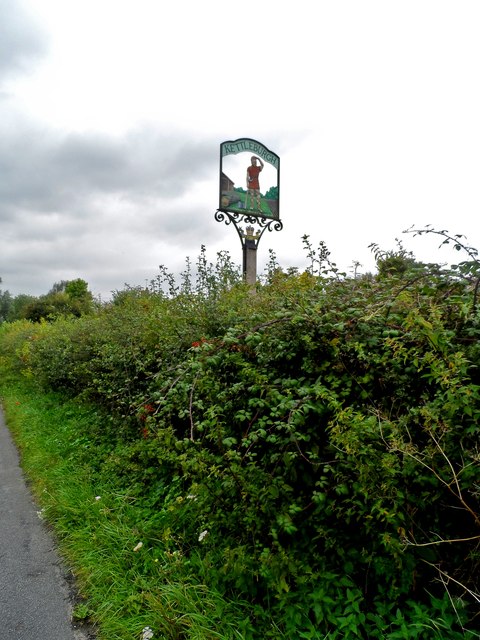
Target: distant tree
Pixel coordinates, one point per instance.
(394, 262)
(5, 304)
(18, 306)
(67, 297)
(78, 290)
(58, 287)
(37, 310)
(48, 307)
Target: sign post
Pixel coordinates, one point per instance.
(249, 194)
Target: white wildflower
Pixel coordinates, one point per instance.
(203, 535)
(97, 498)
(191, 496)
(41, 514)
(138, 547)
(147, 633)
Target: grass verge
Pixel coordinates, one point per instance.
(124, 585)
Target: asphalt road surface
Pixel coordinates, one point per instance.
(34, 594)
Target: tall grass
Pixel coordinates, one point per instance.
(123, 586)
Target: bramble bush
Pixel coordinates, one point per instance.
(308, 448)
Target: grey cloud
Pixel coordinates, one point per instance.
(20, 39)
(48, 174)
(92, 206)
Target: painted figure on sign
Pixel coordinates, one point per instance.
(253, 184)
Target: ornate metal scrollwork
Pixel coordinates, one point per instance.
(249, 238)
(229, 217)
(225, 216)
(271, 225)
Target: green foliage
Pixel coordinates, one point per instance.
(393, 263)
(6, 302)
(66, 298)
(303, 458)
(18, 306)
(78, 290)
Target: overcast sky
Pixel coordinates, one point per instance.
(112, 113)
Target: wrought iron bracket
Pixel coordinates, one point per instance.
(229, 217)
(249, 237)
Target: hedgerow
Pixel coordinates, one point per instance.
(308, 448)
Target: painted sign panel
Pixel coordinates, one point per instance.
(249, 179)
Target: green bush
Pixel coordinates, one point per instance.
(308, 448)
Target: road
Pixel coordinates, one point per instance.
(34, 594)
